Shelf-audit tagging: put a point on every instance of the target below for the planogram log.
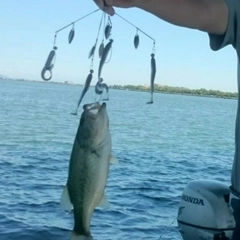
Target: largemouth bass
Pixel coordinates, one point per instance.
(88, 169)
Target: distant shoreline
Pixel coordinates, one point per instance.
(40, 81)
(173, 93)
(157, 89)
(179, 91)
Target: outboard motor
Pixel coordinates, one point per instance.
(235, 205)
(205, 212)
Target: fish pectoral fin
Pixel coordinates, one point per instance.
(114, 160)
(104, 202)
(65, 201)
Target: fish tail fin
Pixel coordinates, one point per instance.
(74, 236)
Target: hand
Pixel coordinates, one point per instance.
(107, 5)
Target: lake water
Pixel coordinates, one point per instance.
(161, 147)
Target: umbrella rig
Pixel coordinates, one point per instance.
(103, 51)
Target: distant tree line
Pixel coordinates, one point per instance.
(178, 90)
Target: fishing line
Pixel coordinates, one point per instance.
(49, 65)
(134, 26)
(109, 57)
(167, 228)
(153, 61)
(54, 41)
(90, 75)
(72, 23)
(103, 51)
(104, 24)
(92, 52)
(77, 20)
(103, 17)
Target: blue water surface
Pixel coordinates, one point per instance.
(161, 147)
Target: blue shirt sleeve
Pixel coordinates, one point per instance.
(232, 34)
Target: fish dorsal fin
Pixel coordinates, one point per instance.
(114, 160)
(65, 201)
(104, 202)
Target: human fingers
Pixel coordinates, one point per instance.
(106, 6)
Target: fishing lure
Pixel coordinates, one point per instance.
(49, 64)
(104, 57)
(153, 74)
(92, 51)
(71, 35)
(108, 31)
(101, 49)
(90, 76)
(52, 55)
(85, 89)
(103, 52)
(99, 89)
(136, 40)
(108, 28)
(105, 86)
(101, 46)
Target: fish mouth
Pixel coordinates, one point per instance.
(93, 109)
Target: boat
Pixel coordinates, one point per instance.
(209, 210)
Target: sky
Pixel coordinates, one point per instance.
(183, 56)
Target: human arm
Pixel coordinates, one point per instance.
(206, 15)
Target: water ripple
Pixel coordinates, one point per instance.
(160, 148)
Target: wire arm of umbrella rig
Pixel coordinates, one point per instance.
(103, 52)
(90, 75)
(52, 55)
(153, 61)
